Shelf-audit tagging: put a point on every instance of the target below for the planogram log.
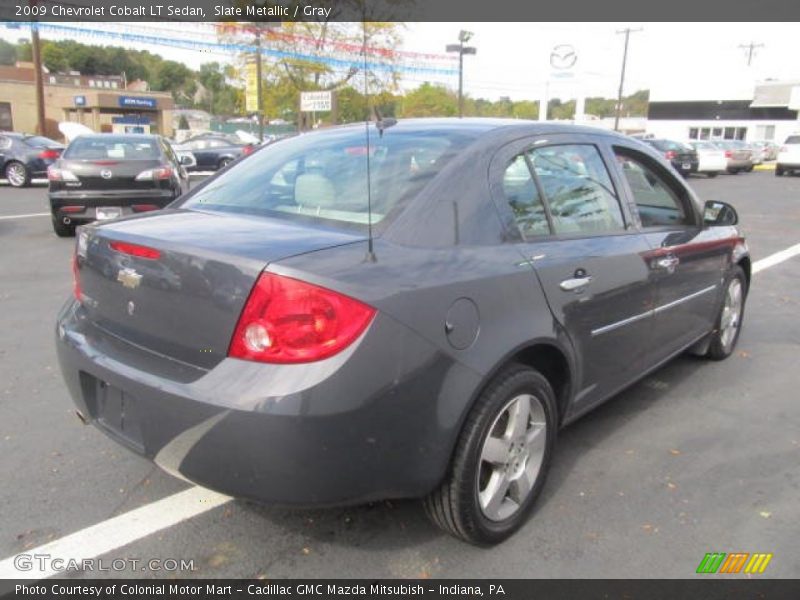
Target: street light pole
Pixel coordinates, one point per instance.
(463, 37)
(36, 51)
(627, 31)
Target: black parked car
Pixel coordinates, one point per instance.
(106, 176)
(214, 151)
(334, 338)
(24, 157)
(682, 156)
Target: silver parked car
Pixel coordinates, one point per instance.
(739, 155)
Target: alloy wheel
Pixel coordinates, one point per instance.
(511, 457)
(731, 313)
(15, 172)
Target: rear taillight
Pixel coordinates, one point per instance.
(50, 153)
(72, 208)
(144, 207)
(670, 154)
(56, 174)
(289, 321)
(728, 153)
(155, 174)
(76, 280)
(135, 250)
(248, 150)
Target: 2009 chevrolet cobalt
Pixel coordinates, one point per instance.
(405, 309)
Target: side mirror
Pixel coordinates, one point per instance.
(186, 160)
(716, 213)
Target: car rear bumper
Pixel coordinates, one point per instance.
(685, 166)
(127, 200)
(376, 421)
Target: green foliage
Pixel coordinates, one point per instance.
(8, 53)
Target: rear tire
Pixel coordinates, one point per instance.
(733, 171)
(750, 169)
(778, 171)
(712, 174)
(17, 174)
(224, 163)
(501, 459)
(731, 313)
(61, 229)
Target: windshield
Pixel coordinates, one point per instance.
(793, 139)
(323, 176)
(88, 148)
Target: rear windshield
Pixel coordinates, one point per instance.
(323, 176)
(37, 141)
(793, 139)
(121, 148)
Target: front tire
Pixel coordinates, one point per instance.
(712, 174)
(729, 322)
(501, 459)
(778, 171)
(18, 174)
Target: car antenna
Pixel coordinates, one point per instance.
(370, 257)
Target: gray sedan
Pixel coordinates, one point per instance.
(410, 311)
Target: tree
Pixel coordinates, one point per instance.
(54, 58)
(177, 78)
(8, 53)
(429, 100)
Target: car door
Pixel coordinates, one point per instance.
(572, 230)
(5, 146)
(686, 261)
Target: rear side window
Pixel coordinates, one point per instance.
(38, 141)
(88, 148)
(522, 195)
(658, 204)
(578, 189)
(323, 176)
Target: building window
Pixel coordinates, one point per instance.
(114, 84)
(693, 133)
(741, 133)
(716, 133)
(765, 132)
(705, 133)
(6, 123)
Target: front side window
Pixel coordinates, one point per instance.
(657, 203)
(578, 189)
(523, 197)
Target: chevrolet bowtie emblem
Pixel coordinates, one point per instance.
(129, 278)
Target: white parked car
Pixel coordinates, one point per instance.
(711, 158)
(789, 156)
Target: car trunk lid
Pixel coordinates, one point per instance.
(110, 174)
(176, 283)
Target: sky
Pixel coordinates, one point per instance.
(673, 60)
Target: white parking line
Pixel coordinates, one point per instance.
(114, 533)
(129, 527)
(25, 216)
(777, 258)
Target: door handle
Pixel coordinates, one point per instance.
(575, 283)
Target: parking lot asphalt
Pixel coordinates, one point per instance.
(698, 457)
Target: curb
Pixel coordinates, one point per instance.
(769, 167)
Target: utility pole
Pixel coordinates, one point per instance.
(751, 50)
(627, 31)
(36, 49)
(259, 91)
(463, 37)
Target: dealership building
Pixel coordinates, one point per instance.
(102, 103)
(752, 111)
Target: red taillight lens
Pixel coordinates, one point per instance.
(72, 208)
(50, 153)
(76, 281)
(144, 207)
(247, 150)
(670, 154)
(135, 250)
(728, 153)
(289, 321)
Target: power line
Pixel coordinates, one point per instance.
(751, 49)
